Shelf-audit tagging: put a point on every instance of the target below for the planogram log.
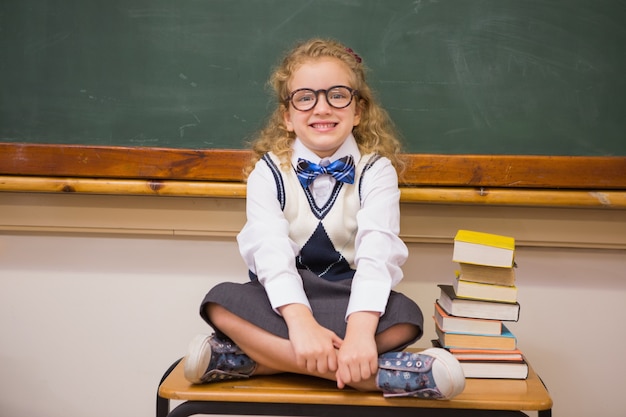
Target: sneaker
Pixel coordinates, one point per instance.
(433, 373)
(211, 358)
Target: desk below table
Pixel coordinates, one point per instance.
(298, 395)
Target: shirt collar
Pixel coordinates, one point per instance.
(348, 147)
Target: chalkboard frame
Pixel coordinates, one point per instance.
(422, 170)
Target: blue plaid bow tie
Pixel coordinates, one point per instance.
(341, 170)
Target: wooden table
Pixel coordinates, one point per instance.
(298, 395)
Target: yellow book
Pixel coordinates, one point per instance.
(487, 249)
(487, 292)
(486, 274)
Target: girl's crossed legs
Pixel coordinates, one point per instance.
(274, 354)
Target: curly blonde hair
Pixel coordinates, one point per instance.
(374, 134)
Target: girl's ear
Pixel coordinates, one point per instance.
(287, 119)
(357, 113)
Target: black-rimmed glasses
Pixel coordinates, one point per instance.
(338, 96)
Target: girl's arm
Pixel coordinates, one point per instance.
(380, 253)
(264, 242)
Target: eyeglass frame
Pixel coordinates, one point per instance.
(353, 93)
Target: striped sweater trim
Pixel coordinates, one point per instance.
(278, 178)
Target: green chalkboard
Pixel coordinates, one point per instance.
(530, 77)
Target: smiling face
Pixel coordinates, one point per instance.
(323, 129)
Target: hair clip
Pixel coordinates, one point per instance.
(354, 54)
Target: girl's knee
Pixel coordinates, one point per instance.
(216, 313)
(398, 335)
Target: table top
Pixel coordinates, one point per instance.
(479, 394)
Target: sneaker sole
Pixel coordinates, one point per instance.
(197, 359)
(446, 367)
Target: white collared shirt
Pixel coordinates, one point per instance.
(268, 251)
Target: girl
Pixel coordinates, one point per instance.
(322, 247)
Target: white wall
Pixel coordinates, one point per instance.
(93, 309)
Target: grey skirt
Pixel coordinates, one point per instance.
(328, 299)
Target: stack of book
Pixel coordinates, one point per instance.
(470, 313)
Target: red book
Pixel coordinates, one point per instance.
(486, 354)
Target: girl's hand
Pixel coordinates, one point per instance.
(358, 355)
(315, 346)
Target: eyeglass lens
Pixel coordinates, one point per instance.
(338, 97)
